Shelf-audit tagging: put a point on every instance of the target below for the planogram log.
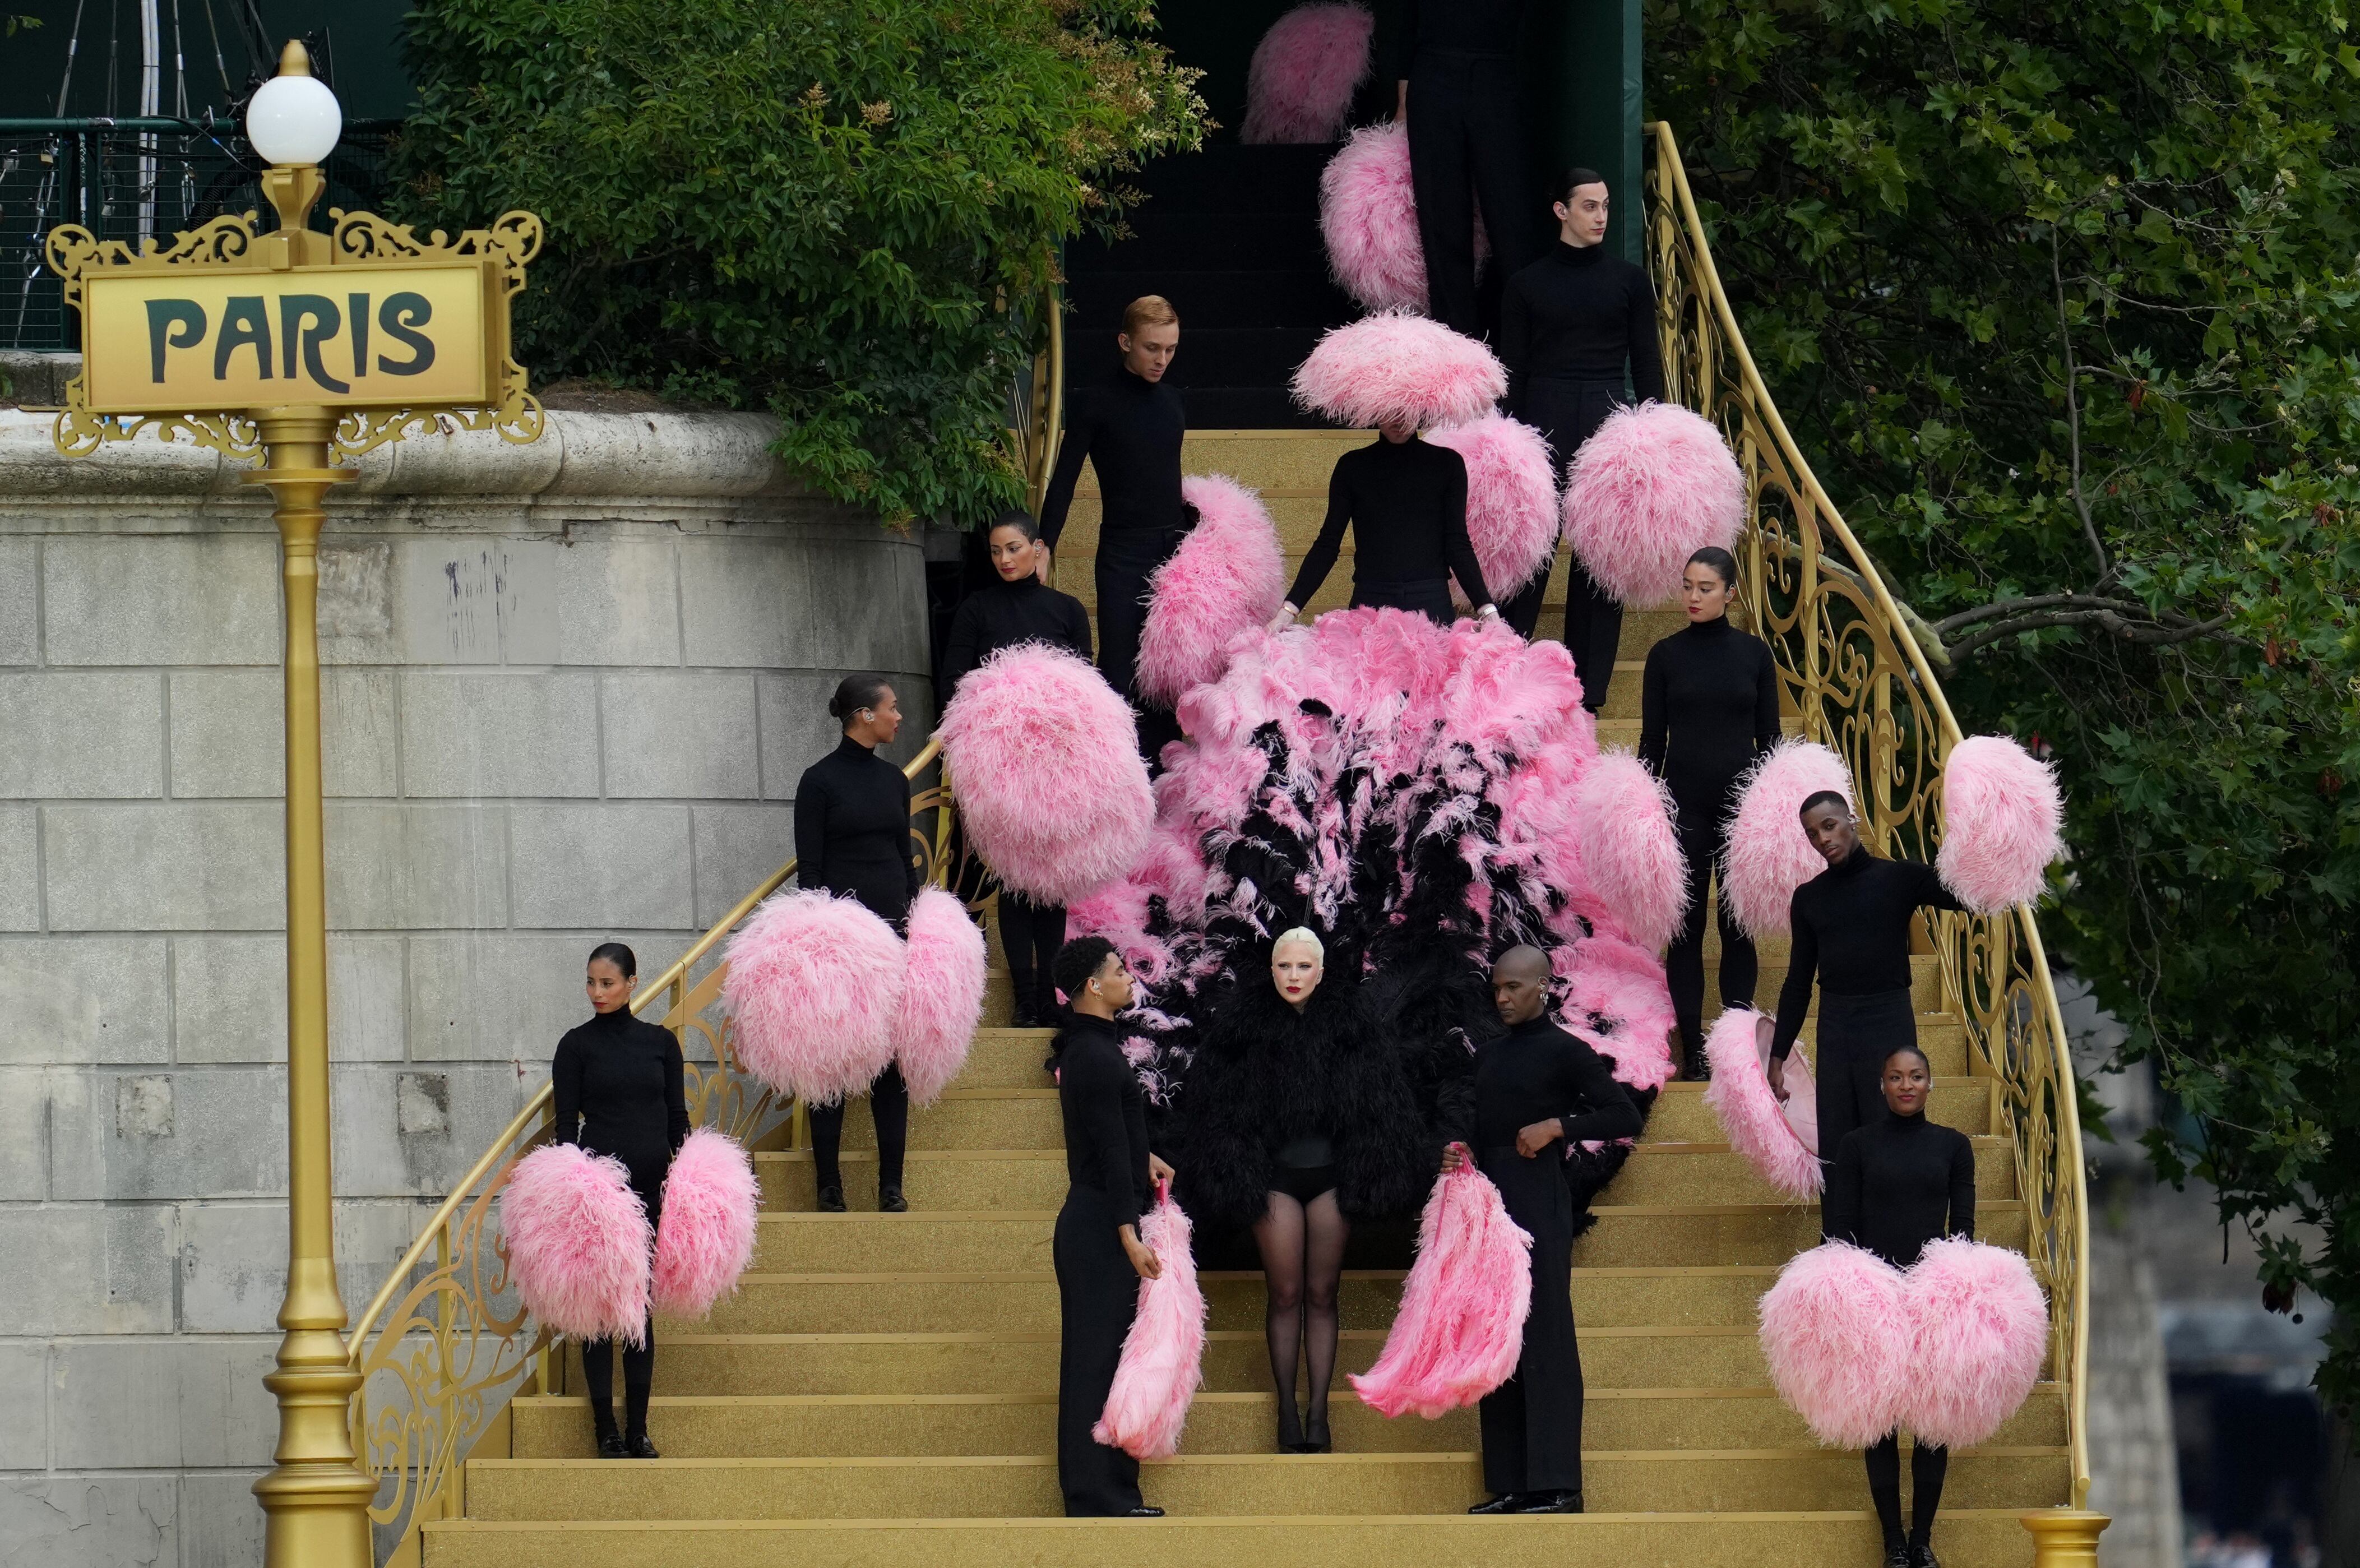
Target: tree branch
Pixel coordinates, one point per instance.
(2073, 407)
(2105, 619)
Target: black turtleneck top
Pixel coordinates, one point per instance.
(1130, 430)
(1105, 1116)
(852, 830)
(1406, 503)
(1004, 614)
(1577, 315)
(1852, 929)
(1460, 27)
(1898, 1183)
(618, 1088)
(1537, 1070)
(1709, 707)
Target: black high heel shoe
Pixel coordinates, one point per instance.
(1315, 1438)
(1290, 1426)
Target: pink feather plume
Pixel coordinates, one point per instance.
(706, 1238)
(1609, 978)
(812, 987)
(1624, 817)
(1300, 83)
(1979, 1330)
(2001, 820)
(1044, 757)
(1835, 1330)
(1653, 486)
(1510, 499)
(1398, 369)
(1756, 1125)
(942, 994)
(1368, 214)
(1227, 577)
(1462, 1324)
(1767, 854)
(1164, 1355)
(578, 1241)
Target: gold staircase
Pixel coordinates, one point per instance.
(884, 1385)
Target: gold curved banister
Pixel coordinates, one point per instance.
(1853, 667)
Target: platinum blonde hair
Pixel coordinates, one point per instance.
(1302, 935)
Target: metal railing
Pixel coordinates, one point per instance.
(1864, 687)
(132, 180)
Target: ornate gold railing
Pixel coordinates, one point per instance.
(1862, 686)
(1035, 441)
(446, 1344)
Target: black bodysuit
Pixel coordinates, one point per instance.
(1407, 504)
(1899, 1183)
(617, 1084)
(1851, 930)
(852, 830)
(1578, 314)
(1129, 429)
(1005, 614)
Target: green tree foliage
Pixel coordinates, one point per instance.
(842, 211)
(2062, 301)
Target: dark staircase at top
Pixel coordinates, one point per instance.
(1231, 235)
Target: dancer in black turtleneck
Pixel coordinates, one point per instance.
(1459, 83)
(852, 836)
(618, 1087)
(1897, 1183)
(1020, 608)
(1710, 709)
(1130, 429)
(1406, 503)
(1568, 324)
(1537, 1090)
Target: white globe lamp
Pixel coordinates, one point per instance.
(293, 118)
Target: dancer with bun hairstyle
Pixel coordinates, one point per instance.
(1898, 1183)
(852, 837)
(619, 1090)
(1709, 710)
(1020, 608)
(1406, 503)
(1096, 1250)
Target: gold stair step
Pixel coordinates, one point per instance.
(1680, 1115)
(930, 1179)
(1713, 1173)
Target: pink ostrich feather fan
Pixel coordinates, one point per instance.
(1979, 1326)
(1398, 369)
(1653, 486)
(706, 1238)
(1461, 1323)
(1510, 499)
(1044, 757)
(812, 987)
(1767, 854)
(1300, 83)
(1622, 817)
(1368, 214)
(1164, 1355)
(2002, 817)
(578, 1241)
(1227, 577)
(1835, 1331)
(1756, 1125)
(942, 994)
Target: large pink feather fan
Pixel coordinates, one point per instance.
(1980, 1329)
(942, 994)
(1368, 214)
(1767, 854)
(813, 988)
(706, 1238)
(1163, 1354)
(1398, 369)
(578, 1242)
(1757, 1125)
(1653, 486)
(1835, 1331)
(1227, 577)
(1044, 757)
(1300, 83)
(1462, 1324)
(2001, 816)
(1510, 499)
(1624, 817)
(1622, 983)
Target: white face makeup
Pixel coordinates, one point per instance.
(1296, 969)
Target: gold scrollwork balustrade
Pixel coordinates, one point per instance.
(1861, 683)
(446, 1344)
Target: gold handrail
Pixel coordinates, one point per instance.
(1863, 685)
(445, 1329)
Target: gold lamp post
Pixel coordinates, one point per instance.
(298, 347)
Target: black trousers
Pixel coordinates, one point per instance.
(1098, 1297)
(1856, 1033)
(638, 1366)
(1531, 1423)
(1029, 933)
(1568, 412)
(1126, 557)
(1702, 830)
(1429, 598)
(1466, 145)
(889, 1106)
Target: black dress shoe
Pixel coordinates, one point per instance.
(1896, 1557)
(831, 1201)
(1315, 1436)
(1023, 1016)
(1145, 1511)
(639, 1447)
(610, 1446)
(1558, 1502)
(1505, 1503)
(891, 1201)
(1923, 1557)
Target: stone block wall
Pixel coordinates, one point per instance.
(570, 689)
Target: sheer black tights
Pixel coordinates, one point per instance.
(1301, 1262)
(1928, 1465)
